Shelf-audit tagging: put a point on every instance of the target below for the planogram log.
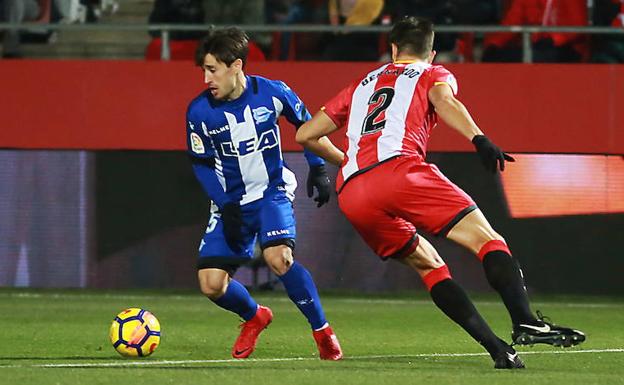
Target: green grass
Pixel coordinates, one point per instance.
(386, 340)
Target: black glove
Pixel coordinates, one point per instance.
(491, 156)
(232, 225)
(317, 177)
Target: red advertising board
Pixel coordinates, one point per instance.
(141, 105)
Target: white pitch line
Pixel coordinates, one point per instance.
(387, 301)
(477, 302)
(255, 360)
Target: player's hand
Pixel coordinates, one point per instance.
(317, 177)
(491, 156)
(232, 224)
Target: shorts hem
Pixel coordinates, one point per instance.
(405, 250)
(449, 226)
(290, 242)
(229, 264)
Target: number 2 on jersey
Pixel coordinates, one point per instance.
(380, 99)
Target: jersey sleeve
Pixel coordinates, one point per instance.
(337, 108)
(208, 179)
(197, 143)
(296, 113)
(202, 152)
(294, 110)
(440, 75)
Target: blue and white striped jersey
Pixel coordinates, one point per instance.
(242, 136)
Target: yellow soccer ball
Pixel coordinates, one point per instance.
(135, 332)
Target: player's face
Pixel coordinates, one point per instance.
(222, 80)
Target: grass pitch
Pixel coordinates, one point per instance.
(61, 337)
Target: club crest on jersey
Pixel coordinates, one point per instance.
(196, 144)
(267, 139)
(261, 114)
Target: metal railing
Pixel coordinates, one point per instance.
(165, 30)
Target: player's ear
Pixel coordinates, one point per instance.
(237, 64)
(395, 51)
(431, 56)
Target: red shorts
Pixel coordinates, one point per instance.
(387, 203)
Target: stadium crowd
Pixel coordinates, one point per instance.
(44, 12)
(451, 47)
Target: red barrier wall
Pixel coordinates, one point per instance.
(141, 105)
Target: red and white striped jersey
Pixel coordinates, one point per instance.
(387, 113)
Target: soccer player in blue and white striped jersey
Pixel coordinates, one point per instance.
(234, 143)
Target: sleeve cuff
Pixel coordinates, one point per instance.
(332, 117)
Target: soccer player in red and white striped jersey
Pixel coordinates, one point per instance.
(387, 190)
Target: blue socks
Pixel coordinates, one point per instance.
(237, 300)
(302, 291)
(299, 286)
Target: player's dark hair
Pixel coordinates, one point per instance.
(226, 45)
(413, 35)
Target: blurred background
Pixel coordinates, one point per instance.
(96, 190)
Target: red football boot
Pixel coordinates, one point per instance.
(250, 330)
(328, 345)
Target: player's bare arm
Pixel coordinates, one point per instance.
(313, 136)
(452, 111)
(455, 114)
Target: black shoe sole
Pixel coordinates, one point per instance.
(562, 340)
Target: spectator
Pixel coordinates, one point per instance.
(608, 48)
(17, 11)
(71, 11)
(183, 43)
(547, 47)
(354, 46)
(95, 9)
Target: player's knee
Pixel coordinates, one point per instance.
(424, 257)
(213, 289)
(491, 236)
(424, 261)
(279, 258)
(483, 238)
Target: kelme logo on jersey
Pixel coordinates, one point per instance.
(275, 233)
(216, 131)
(261, 114)
(267, 139)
